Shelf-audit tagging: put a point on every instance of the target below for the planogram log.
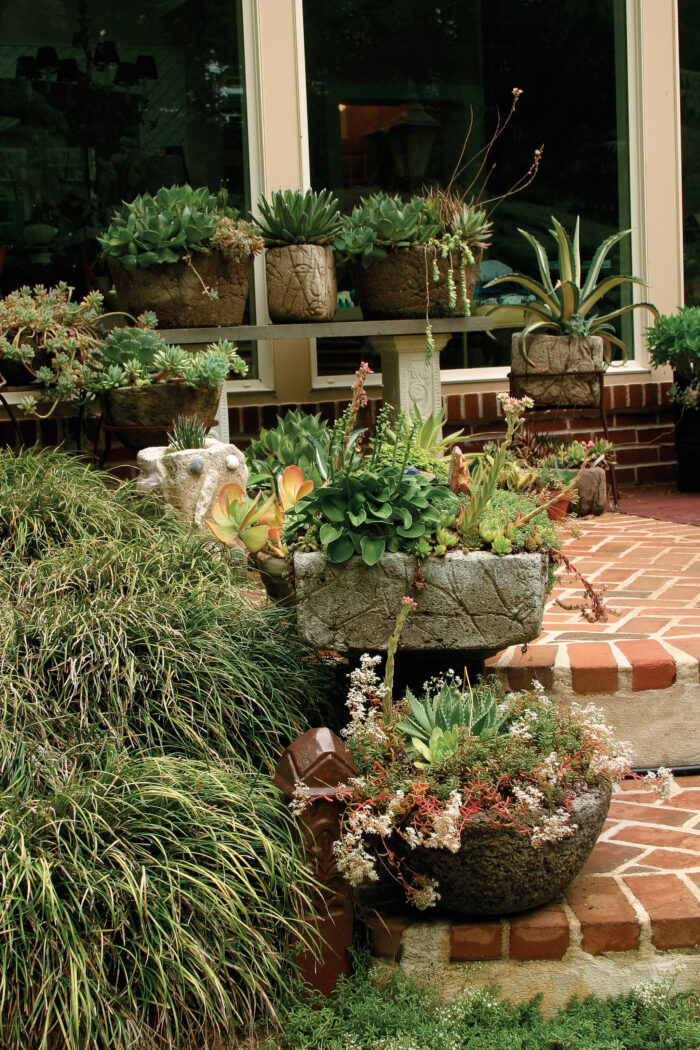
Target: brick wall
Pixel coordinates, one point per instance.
(640, 424)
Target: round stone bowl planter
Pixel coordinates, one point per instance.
(157, 405)
(174, 291)
(301, 283)
(565, 370)
(395, 287)
(467, 602)
(497, 871)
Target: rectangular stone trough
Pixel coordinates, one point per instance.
(466, 601)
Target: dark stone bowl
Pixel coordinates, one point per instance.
(497, 871)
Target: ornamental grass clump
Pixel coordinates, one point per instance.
(149, 875)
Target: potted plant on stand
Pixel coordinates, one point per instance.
(184, 254)
(560, 356)
(143, 383)
(299, 230)
(674, 340)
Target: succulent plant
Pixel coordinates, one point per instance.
(293, 217)
(434, 723)
(170, 226)
(564, 307)
(188, 432)
(296, 439)
(382, 222)
(140, 356)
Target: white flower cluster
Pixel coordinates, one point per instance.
(354, 863)
(447, 826)
(529, 797)
(660, 782)
(522, 729)
(550, 769)
(365, 725)
(617, 765)
(553, 828)
(300, 799)
(422, 893)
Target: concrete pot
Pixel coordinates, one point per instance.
(592, 492)
(192, 479)
(498, 872)
(174, 291)
(301, 283)
(158, 405)
(395, 287)
(565, 370)
(275, 574)
(475, 602)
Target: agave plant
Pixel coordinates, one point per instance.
(565, 307)
(293, 217)
(435, 723)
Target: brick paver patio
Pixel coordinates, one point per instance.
(651, 571)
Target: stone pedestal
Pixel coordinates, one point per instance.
(407, 379)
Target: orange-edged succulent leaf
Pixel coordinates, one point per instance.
(293, 487)
(255, 537)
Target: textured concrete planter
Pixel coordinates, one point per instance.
(157, 405)
(565, 370)
(498, 872)
(395, 287)
(592, 492)
(193, 478)
(175, 293)
(478, 601)
(301, 283)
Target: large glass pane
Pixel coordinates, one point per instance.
(392, 89)
(689, 34)
(100, 101)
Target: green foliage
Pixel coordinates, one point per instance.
(47, 338)
(503, 524)
(435, 723)
(188, 432)
(674, 339)
(144, 701)
(382, 222)
(387, 1011)
(140, 357)
(179, 220)
(293, 217)
(297, 439)
(415, 456)
(368, 512)
(564, 305)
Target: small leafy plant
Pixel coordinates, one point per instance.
(564, 307)
(674, 339)
(293, 217)
(140, 357)
(255, 522)
(178, 221)
(188, 432)
(299, 438)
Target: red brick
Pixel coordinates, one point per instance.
(671, 859)
(608, 921)
(471, 406)
(627, 456)
(691, 646)
(673, 910)
(455, 408)
(653, 473)
(635, 395)
(653, 667)
(658, 836)
(541, 934)
(475, 941)
(686, 798)
(536, 664)
(593, 668)
(624, 810)
(489, 406)
(387, 931)
(618, 395)
(607, 856)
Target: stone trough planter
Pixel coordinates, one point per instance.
(497, 871)
(476, 601)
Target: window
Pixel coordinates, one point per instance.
(100, 101)
(391, 89)
(689, 40)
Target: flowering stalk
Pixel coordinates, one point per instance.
(407, 605)
(359, 396)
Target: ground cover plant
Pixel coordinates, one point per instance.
(148, 873)
(373, 1012)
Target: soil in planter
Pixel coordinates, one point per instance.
(175, 293)
(395, 287)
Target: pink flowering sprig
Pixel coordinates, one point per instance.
(359, 396)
